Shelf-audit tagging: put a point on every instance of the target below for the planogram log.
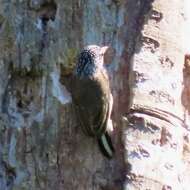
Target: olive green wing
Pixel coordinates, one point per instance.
(91, 99)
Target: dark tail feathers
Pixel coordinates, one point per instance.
(106, 145)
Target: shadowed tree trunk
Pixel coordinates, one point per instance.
(41, 143)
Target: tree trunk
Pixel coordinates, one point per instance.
(156, 133)
(41, 142)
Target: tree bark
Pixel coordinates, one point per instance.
(41, 143)
(156, 132)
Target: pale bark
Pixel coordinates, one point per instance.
(156, 134)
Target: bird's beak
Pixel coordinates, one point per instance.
(108, 54)
(104, 49)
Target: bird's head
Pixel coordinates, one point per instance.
(90, 59)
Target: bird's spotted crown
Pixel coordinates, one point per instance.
(88, 61)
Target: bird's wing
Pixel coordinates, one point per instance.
(79, 110)
(102, 116)
(91, 97)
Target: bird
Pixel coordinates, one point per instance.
(92, 96)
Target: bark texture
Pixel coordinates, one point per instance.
(41, 143)
(156, 132)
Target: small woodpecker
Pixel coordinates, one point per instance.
(92, 96)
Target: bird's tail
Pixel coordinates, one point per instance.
(106, 146)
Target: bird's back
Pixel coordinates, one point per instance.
(91, 98)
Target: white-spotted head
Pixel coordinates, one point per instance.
(90, 59)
